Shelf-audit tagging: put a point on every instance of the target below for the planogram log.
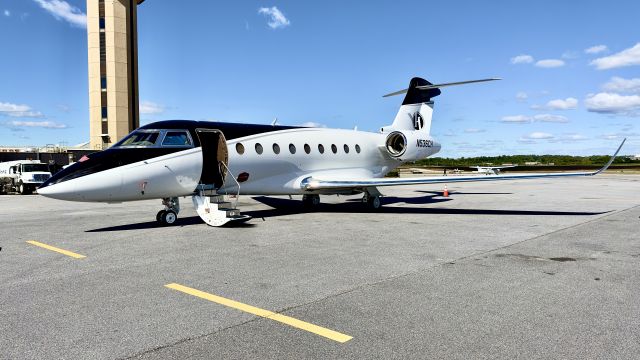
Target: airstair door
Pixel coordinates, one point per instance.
(215, 158)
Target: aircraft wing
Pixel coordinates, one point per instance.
(321, 183)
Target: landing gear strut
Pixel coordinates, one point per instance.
(372, 199)
(169, 215)
(310, 201)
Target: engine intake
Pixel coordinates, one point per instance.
(396, 144)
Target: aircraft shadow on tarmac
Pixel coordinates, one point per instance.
(284, 207)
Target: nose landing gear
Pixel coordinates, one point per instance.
(169, 215)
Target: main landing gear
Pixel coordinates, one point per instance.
(372, 198)
(169, 215)
(373, 202)
(310, 201)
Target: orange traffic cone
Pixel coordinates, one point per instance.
(445, 193)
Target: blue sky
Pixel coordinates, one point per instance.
(571, 70)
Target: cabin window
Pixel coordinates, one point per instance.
(141, 138)
(346, 148)
(176, 138)
(292, 148)
(259, 149)
(358, 148)
(276, 149)
(334, 148)
(307, 148)
(240, 148)
(321, 148)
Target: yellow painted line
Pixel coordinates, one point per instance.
(58, 250)
(319, 330)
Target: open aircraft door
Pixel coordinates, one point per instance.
(215, 158)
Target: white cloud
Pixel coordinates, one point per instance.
(522, 59)
(538, 136)
(522, 96)
(62, 10)
(148, 107)
(596, 49)
(524, 119)
(15, 110)
(7, 13)
(558, 104)
(276, 17)
(611, 103)
(618, 84)
(474, 130)
(40, 124)
(627, 57)
(551, 118)
(618, 135)
(517, 119)
(312, 124)
(549, 63)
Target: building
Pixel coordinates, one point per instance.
(113, 70)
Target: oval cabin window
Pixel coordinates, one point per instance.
(292, 148)
(259, 149)
(276, 149)
(334, 148)
(346, 148)
(240, 148)
(321, 148)
(358, 148)
(307, 148)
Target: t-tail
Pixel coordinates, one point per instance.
(408, 138)
(417, 108)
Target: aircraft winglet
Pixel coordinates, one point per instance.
(606, 166)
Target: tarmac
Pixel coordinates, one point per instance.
(513, 269)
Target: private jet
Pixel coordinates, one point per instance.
(491, 170)
(214, 162)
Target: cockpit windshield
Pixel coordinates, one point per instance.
(157, 138)
(141, 138)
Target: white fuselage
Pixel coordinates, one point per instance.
(269, 173)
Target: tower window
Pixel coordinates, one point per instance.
(103, 83)
(101, 23)
(104, 112)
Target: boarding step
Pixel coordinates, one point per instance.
(215, 211)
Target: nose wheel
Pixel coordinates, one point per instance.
(168, 215)
(372, 199)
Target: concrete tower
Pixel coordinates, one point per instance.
(113, 70)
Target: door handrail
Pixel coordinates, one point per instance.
(235, 205)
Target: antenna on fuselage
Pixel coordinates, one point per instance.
(274, 122)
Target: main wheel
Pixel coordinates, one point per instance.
(310, 201)
(374, 202)
(169, 217)
(159, 215)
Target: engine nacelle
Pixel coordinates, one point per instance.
(410, 145)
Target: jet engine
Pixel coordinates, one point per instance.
(410, 145)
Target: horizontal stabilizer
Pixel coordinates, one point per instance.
(438, 86)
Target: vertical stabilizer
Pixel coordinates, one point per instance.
(417, 107)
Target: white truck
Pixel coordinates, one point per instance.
(22, 176)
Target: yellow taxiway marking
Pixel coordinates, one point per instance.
(58, 250)
(330, 334)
